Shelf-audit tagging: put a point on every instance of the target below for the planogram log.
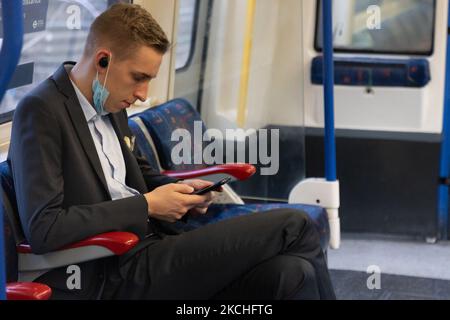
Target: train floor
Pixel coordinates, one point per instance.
(377, 267)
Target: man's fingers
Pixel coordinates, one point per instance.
(202, 210)
(204, 204)
(197, 183)
(183, 188)
(197, 200)
(200, 184)
(199, 210)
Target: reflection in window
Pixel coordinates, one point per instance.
(185, 38)
(61, 28)
(405, 26)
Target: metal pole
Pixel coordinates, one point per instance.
(445, 151)
(9, 57)
(328, 76)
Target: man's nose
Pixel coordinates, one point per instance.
(141, 92)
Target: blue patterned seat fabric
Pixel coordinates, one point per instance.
(142, 143)
(10, 241)
(162, 120)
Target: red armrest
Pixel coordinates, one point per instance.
(117, 242)
(27, 291)
(240, 171)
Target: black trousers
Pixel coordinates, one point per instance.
(272, 255)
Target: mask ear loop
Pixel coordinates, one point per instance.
(106, 78)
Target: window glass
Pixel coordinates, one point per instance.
(381, 26)
(252, 93)
(55, 31)
(187, 23)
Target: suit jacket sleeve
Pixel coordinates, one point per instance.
(36, 155)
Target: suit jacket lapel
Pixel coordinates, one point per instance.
(133, 176)
(80, 125)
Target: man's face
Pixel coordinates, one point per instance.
(128, 79)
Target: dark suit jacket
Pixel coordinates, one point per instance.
(60, 186)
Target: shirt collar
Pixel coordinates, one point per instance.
(89, 112)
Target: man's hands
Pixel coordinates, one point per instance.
(198, 184)
(171, 202)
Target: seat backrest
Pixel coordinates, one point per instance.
(144, 141)
(11, 260)
(161, 121)
(9, 202)
(12, 228)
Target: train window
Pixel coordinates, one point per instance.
(381, 26)
(55, 31)
(187, 27)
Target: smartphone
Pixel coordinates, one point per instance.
(214, 187)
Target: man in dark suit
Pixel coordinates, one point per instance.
(75, 177)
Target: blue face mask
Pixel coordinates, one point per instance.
(100, 94)
(99, 97)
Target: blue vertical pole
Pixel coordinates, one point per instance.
(2, 260)
(12, 16)
(328, 76)
(445, 151)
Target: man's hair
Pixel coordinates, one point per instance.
(123, 28)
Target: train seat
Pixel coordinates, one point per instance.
(25, 266)
(153, 129)
(17, 290)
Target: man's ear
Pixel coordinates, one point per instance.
(102, 60)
